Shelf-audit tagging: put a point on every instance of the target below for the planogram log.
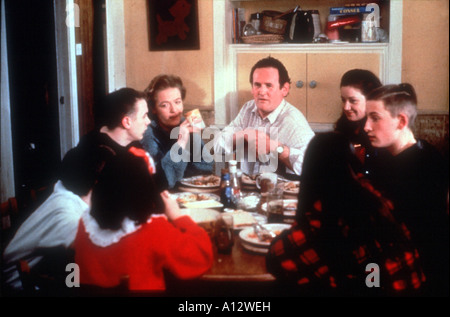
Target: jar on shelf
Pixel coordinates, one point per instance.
(255, 20)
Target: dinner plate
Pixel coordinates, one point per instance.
(202, 181)
(247, 180)
(292, 187)
(249, 238)
(287, 211)
(200, 215)
(203, 204)
(187, 197)
(253, 248)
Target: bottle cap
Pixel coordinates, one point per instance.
(233, 167)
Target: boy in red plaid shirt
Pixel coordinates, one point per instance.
(342, 225)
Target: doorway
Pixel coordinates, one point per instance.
(31, 50)
(56, 70)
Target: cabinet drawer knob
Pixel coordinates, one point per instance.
(312, 84)
(299, 84)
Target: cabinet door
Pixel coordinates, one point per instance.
(326, 69)
(295, 64)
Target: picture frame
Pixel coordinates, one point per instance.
(173, 25)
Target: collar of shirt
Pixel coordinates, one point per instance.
(272, 117)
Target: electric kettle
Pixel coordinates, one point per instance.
(300, 28)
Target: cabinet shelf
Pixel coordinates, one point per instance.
(318, 46)
(227, 55)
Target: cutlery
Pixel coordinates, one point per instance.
(263, 233)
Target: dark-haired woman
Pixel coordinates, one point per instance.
(355, 85)
(174, 143)
(126, 233)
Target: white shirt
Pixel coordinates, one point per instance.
(285, 124)
(53, 224)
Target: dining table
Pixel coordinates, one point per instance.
(240, 272)
(238, 265)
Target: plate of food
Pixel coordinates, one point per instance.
(187, 197)
(289, 207)
(248, 180)
(252, 242)
(292, 187)
(197, 200)
(202, 181)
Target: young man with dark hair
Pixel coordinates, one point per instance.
(122, 119)
(413, 175)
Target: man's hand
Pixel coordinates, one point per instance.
(258, 142)
(255, 140)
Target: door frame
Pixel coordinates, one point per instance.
(115, 45)
(6, 148)
(66, 14)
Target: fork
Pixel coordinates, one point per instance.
(262, 232)
(266, 231)
(258, 232)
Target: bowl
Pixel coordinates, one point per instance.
(249, 201)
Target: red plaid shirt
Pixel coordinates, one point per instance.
(305, 254)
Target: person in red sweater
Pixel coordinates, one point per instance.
(126, 233)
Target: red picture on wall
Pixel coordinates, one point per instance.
(173, 25)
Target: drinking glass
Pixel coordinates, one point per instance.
(224, 233)
(275, 205)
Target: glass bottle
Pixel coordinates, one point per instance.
(255, 20)
(234, 180)
(226, 191)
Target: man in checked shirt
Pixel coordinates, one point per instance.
(269, 134)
